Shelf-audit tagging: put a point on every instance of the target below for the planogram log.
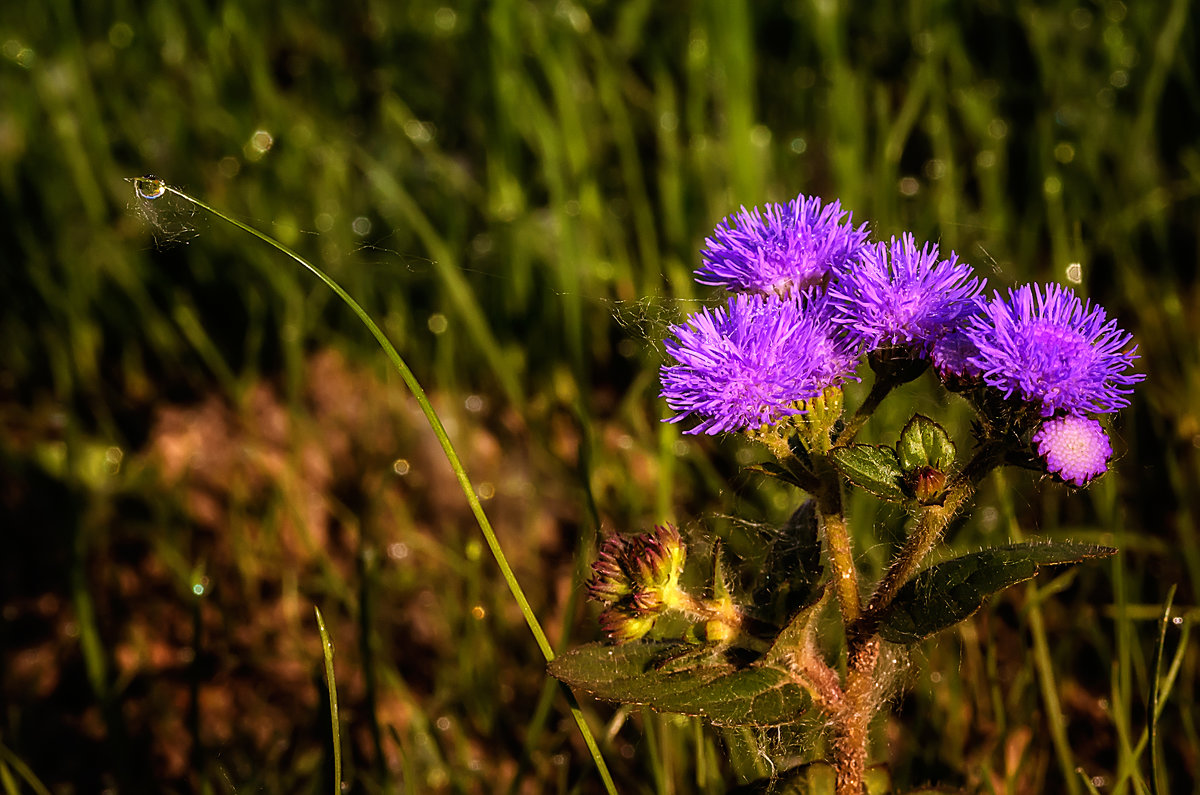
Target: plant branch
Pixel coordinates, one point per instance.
(920, 541)
(853, 721)
(837, 536)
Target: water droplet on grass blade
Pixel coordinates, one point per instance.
(170, 218)
(149, 187)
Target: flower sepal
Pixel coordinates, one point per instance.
(897, 365)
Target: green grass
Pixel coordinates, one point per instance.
(537, 180)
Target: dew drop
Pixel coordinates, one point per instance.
(149, 187)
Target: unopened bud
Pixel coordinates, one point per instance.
(638, 578)
(664, 555)
(610, 580)
(928, 483)
(647, 602)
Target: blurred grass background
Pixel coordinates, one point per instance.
(199, 444)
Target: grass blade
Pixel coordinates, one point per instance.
(150, 188)
(327, 651)
(10, 760)
(1156, 696)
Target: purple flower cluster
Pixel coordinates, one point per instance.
(902, 295)
(750, 362)
(1055, 351)
(780, 248)
(813, 294)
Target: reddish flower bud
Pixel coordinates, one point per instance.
(928, 484)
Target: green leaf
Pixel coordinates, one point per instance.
(796, 636)
(875, 469)
(950, 592)
(676, 677)
(924, 443)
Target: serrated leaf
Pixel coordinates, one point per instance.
(950, 592)
(673, 677)
(875, 469)
(924, 443)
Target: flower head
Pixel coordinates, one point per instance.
(1054, 350)
(1075, 448)
(752, 361)
(630, 566)
(637, 577)
(901, 295)
(780, 247)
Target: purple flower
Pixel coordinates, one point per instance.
(750, 362)
(1054, 350)
(901, 295)
(780, 248)
(951, 355)
(1075, 448)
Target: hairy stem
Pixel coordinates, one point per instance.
(920, 541)
(842, 561)
(841, 553)
(853, 722)
(932, 523)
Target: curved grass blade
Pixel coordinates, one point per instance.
(9, 759)
(327, 652)
(150, 188)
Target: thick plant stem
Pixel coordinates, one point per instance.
(842, 561)
(841, 554)
(852, 724)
